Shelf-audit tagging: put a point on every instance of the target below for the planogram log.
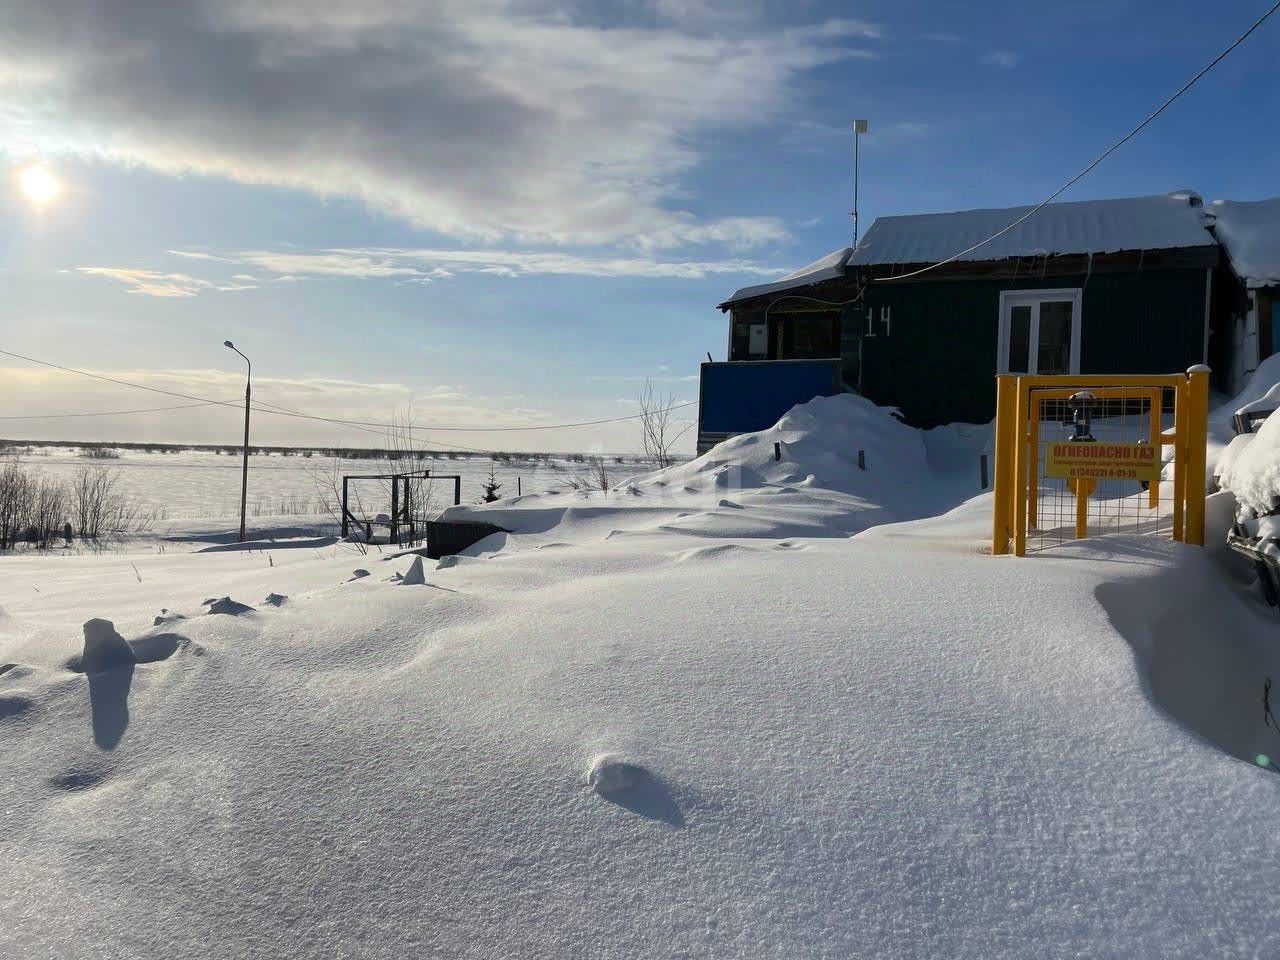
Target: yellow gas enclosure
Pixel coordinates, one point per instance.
(1084, 455)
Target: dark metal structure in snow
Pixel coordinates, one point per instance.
(411, 504)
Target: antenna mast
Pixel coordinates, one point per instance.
(859, 127)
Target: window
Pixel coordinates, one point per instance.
(1039, 332)
(809, 336)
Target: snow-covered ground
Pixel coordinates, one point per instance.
(751, 707)
(203, 484)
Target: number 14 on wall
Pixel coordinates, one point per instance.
(885, 317)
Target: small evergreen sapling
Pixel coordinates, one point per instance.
(491, 488)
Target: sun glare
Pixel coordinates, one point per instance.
(39, 184)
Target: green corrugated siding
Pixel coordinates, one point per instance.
(938, 361)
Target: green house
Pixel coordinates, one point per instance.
(923, 314)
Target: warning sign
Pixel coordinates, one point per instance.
(1103, 461)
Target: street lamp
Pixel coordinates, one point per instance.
(244, 476)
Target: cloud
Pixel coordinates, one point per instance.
(1005, 59)
(154, 283)
(426, 265)
(482, 119)
(151, 283)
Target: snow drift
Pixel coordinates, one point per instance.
(680, 729)
(803, 477)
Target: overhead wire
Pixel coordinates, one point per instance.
(1101, 157)
(276, 410)
(103, 413)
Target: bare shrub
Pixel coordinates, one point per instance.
(593, 477)
(659, 431)
(328, 484)
(100, 511)
(48, 511)
(599, 474)
(284, 507)
(33, 508)
(410, 458)
(15, 503)
(403, 456)
(92, 490)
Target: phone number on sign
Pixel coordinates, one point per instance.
(1102, 473)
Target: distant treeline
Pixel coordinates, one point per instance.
(103, 450)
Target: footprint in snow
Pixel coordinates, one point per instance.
(75, 780)
(632, 787)
(107, 650)
(709, 553)
(276, 600)
(15, 705)
(358, 574)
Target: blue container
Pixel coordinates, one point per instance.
(750, 395)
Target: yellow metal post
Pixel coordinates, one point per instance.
(1179, 458)
(1020, 471)
(1033, 462)
(1157, 402)
(1197, 436)
(1083, 489)
(1002, 503)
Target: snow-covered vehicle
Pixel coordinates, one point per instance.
(1250, 469)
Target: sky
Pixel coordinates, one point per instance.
(515, 212)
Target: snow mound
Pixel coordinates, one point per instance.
(228, 607)
(817, 446)
(1264, 378)
(1251, 470)
(831, 467)
(14, 705)
(104, 649)
(632, 787)
(414, 576)
(1249, 464)
(709, 553)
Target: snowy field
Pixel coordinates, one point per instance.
(206, 485)
(745, 707)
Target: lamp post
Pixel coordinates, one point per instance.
(859, 127)
(244, 475)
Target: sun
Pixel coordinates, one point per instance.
(39, 184)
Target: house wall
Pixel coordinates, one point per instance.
(933, 353)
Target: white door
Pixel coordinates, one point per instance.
(1039, 332)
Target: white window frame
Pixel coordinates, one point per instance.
(1033, 298)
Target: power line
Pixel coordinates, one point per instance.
(278, 411)
(106, 413)
(284, 411)
(118, 382)
(1106, 153)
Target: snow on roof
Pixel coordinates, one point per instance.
(1250, 230)
(828, 268)
(1160, 222)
